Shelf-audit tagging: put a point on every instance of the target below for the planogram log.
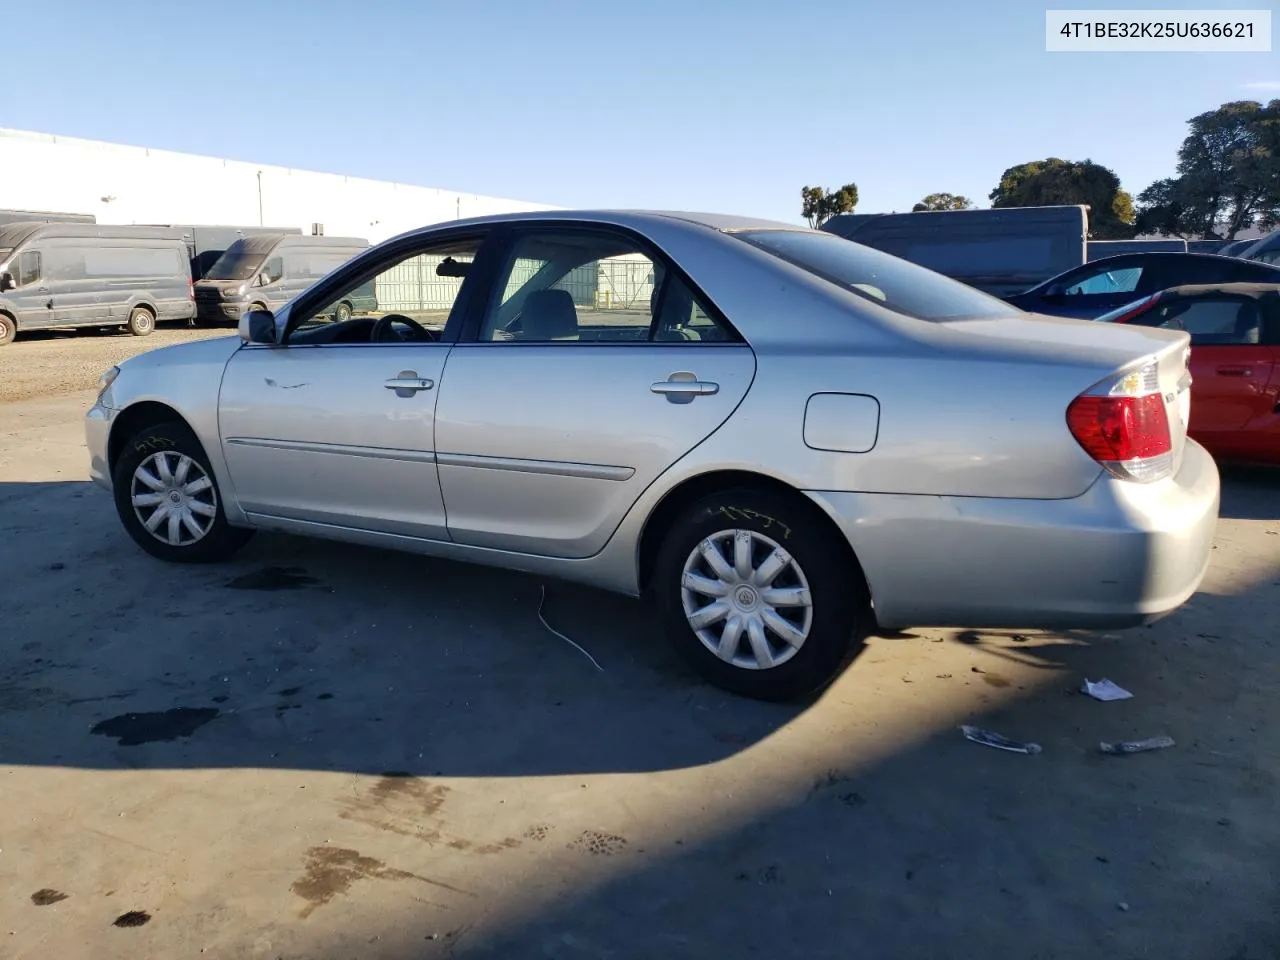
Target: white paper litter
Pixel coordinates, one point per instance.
(1105, 691)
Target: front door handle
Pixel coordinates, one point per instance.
(407, 382)
(1235, 372)
(683, 387)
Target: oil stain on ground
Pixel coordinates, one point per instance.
(134, 729)
(273, 578)
(46, 897)
(410, 807)
(331, 871)
(134, 918)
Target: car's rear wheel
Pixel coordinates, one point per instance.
(758, 594)
(343, 313)
(142, 322)
(168, 499)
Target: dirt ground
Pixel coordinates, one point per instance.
(325, 752)
(47, 364)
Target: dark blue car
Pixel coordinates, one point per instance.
(1094, 288)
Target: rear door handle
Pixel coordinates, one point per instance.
(683, 387)
(1235, 371)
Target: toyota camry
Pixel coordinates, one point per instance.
(782, 438)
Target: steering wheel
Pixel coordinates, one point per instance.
(383, 326)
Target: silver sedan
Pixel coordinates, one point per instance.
(783, 438)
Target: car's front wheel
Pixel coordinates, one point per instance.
(758, 594)
(168, 499)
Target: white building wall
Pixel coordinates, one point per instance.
(125, 185)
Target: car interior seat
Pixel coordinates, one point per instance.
(1247, 324)
(549, 315)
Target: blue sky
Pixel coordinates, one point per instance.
(729, 106)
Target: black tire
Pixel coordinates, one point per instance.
(838, 609)
(256, 306)
(342, 313)
(173, 441)
(142, 322)
(8, 329)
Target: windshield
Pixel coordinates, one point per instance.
(4, 254)
(889, 281)
(234, 266)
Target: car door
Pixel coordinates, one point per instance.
(337, 426)
(1231, 366)
(30, 297)
(594, 367)
(77, 273)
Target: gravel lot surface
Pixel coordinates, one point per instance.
(51, 364)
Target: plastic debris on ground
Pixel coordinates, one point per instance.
(1105, 690)
(1126, 747)
(989, 739)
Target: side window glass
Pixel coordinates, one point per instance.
(684, 318)
(1222, 322)
(407, 301)
(28, 268)
(572, 287)
(1106, 282)
(274, 269)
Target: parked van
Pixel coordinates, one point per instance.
(68, 275)
(264, 272)
(206, 244)
(1002, 252)
(1266, 249)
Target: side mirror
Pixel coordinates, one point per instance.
(258, 326)
(263, 279)
(6, 282)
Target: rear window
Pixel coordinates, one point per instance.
(888, 281)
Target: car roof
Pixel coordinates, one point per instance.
(1255, 291)
(1164, 255)
(636, 219)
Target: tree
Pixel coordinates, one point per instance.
(820, 205)
(1228, 175)
(1166, 208)
(943, 201)
(1053, 181)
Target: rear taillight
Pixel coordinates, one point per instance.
(1123, 424)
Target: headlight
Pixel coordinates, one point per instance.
(234, 293)
(106, 380)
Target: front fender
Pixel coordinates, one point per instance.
(186, 378)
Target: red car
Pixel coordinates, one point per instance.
(1235, 362)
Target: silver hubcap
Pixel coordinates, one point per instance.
(142, 321)
(173, 498)
(747, 599)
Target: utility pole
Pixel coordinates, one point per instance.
(260, 223)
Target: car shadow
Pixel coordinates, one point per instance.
(313, 655)
(1250, 492)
